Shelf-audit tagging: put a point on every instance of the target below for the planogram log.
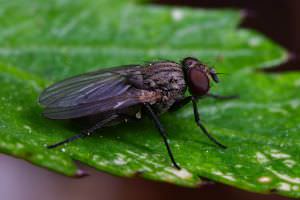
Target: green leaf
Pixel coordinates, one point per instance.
(70, 37)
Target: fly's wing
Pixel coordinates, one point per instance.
(95, 92)
(131, 97)
(87, 88)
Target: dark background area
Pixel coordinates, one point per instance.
(278, 19)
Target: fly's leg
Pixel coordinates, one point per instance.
(181, 103)
(162, 132)
(198, 121)
(70, 139)
(84, 133)
(220, 97)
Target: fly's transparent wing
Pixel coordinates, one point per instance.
(88, 88)
(131, 97)
(95, 93)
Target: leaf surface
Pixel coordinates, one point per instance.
(71, 37)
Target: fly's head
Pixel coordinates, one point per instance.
(198, 76)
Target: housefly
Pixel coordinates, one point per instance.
(129, 93)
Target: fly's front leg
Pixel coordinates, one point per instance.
(220, 97)
(199, 123)
(162, 132)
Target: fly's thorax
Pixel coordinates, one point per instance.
(166, 78)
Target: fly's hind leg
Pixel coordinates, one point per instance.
(85, 133)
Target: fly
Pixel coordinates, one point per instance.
(128, 93)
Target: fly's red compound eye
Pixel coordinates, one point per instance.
(198, 81)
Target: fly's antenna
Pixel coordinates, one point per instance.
(70, 139)
(222, 73)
